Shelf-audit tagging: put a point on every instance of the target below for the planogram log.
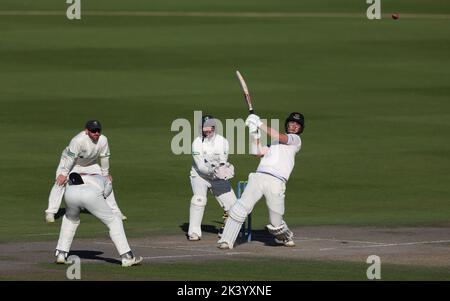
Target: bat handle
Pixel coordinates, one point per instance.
(251, 111)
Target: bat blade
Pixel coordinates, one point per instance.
(247, 97)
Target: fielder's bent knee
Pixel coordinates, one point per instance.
(75, 221)
(199, 201)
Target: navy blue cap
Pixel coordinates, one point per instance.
(93, 125)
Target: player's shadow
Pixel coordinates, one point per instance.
(60, 213)
(93, 255)
(205, 228)
(260, 235)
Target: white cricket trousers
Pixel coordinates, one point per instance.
(90, 198)
(259, 185)
(272, 188)
(57, 192)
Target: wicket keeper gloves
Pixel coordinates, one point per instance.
(224, 172)
(253, 119)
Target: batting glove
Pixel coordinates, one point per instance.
(253, 119)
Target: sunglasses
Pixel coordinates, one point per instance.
(95, 131)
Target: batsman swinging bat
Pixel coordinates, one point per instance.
(247, 98)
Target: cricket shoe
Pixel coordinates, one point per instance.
(193, 237)
(50, 218)
(61, 257)
(129, 260)
(289, 242)
(223, 245)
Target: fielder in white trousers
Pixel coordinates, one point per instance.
(90, 193)
(57, 192)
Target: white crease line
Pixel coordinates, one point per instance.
(55, 233)
(199, 255)
(170, 248)
(176, 256)
(42, 234)
(389, 245)
(340, 240)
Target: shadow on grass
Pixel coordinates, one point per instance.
(260, 235)
(93, 255)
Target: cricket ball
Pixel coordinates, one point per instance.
(395, 16)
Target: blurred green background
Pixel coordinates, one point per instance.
(375, 94)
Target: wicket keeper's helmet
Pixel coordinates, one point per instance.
(75, 179)
(296, 117)
(207, 121)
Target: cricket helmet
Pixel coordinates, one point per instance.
(75, 179)
(207, 121)
(296, 117)
(93, 125)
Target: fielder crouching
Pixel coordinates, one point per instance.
(269, 180)
(210, 170)
(90, 192)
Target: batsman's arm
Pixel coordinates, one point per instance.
(256, 148)
(274, 134)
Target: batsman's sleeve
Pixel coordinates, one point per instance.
(294, 140)
(199, 160)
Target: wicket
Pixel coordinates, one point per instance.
(245, 232)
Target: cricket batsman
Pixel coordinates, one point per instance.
(269, 180)
(91, 192)
(210, 170)
(81, 156)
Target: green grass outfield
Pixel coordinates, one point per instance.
(376, 96)
(261, 270)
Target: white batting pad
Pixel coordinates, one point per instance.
(196, 212)
(230, 232)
